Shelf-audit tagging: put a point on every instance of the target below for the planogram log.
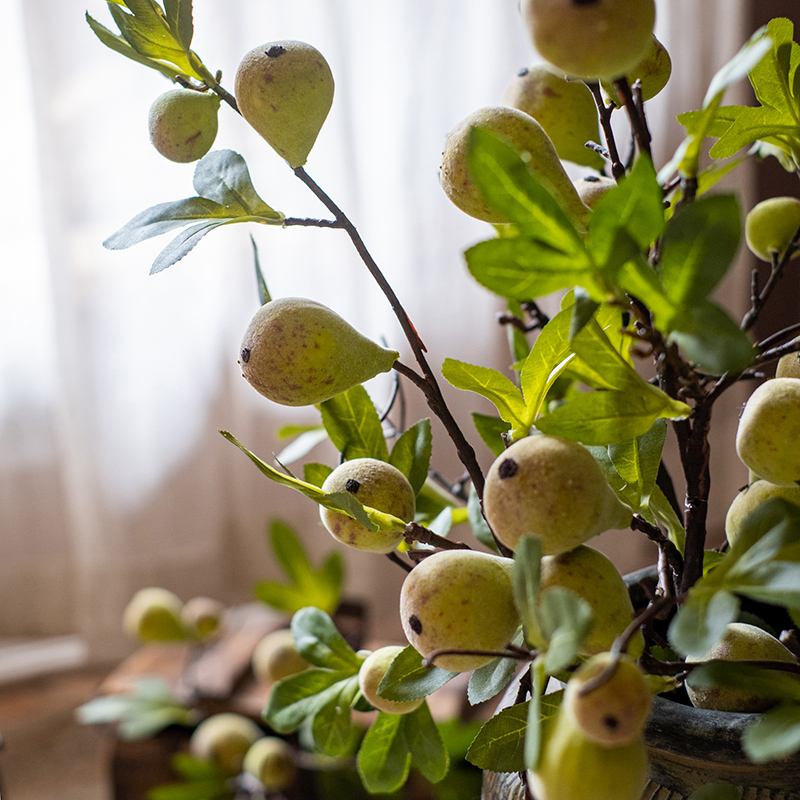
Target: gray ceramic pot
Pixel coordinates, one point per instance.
(688, 748)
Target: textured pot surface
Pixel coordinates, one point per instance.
(688, 748)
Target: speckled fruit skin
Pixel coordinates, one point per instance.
(749, 499)
(275, 657)
(572, 767)
(770, 225)
(615, 712)
(224, 739)
(370, 676)
(591, 40)
(592, 576)
(183, 124)
(550, 487)
(154, 615)
(297, 352)
(271, 761)
(769, 430)
(524, 134)
(592, 187)
(788, 365)
(565, 109)
(284, 90)
(653, 71)
(741, 642)
(459, 599)
(374, 484)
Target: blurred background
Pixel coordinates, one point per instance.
(114, 383)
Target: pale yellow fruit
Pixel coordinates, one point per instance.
(459, 599)
(202, 617)
(565, 109)
(740, 642)
(769, 430)
(297, 352)
(771, 225)
(154, 615)
(275, 657)
(749, 499)
(614, 712)
(374, 484)
(572, 767)
(550, 487)
(593, 577)
(788, 365)
(591, 188)
(224, 739)
(271, 761)
(183, 124)
(653, 71)
(370, 676)
(525, 135)
(590, 39)
(285, 90)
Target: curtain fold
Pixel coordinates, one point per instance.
(115, 383)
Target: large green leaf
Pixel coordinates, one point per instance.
(424, 742)
(411, 453)
(384, 760)
(354, 426)
(297, 698)
(408, 679)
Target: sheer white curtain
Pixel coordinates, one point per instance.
(115, 383)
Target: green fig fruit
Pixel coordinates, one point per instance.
(653, 71)
(749, 499)
(740, 642)
(154, 615)
(275, 657)
(271, 761)
(524, 134)
(370, 676)
(789, 365)
(285, 91)
(565, 109)
(183, 124)
(572, 767)
(591, 188)
(297, 352)
(593, 577)
(459, 600)
(769, 427)
(202, 618)
(550, 487)
(374, 484)
(590, 39)
(223, 739)
(771, 225)
(614, 712)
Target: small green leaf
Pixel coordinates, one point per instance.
(701, 621)
(491, 430)
(424, 742)
(565, 619)
(411, 453)
(297, 698)
(408, 679)
(525, 579)
(383, 758)
(480, 528)
(179, 18)
(261, 283)
(775, 734)
(315, 473)
(332, 726)
(500, 745)
(320, 643)
(489, 680)
(354, 426)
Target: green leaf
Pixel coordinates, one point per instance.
(747, 678)
(411, 453)
(189, 767)
(383, 758)
(491, 430)
(701, 621)
(179, 18)
(637, 461)
(332, 726)
(488, 383)
(712, 340)
(263, 292)
(775, 734)
(698, 246)
(565, 619)
(297, 698)
(489, 680)
(320, 643)
(354, 426)
(408, 679)
(508, 186)
(316, 473)
(424, 742)
(480, 528)
(526, 575)
(524, 269)
(500, 745)
(306, 440)
(715, 791)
